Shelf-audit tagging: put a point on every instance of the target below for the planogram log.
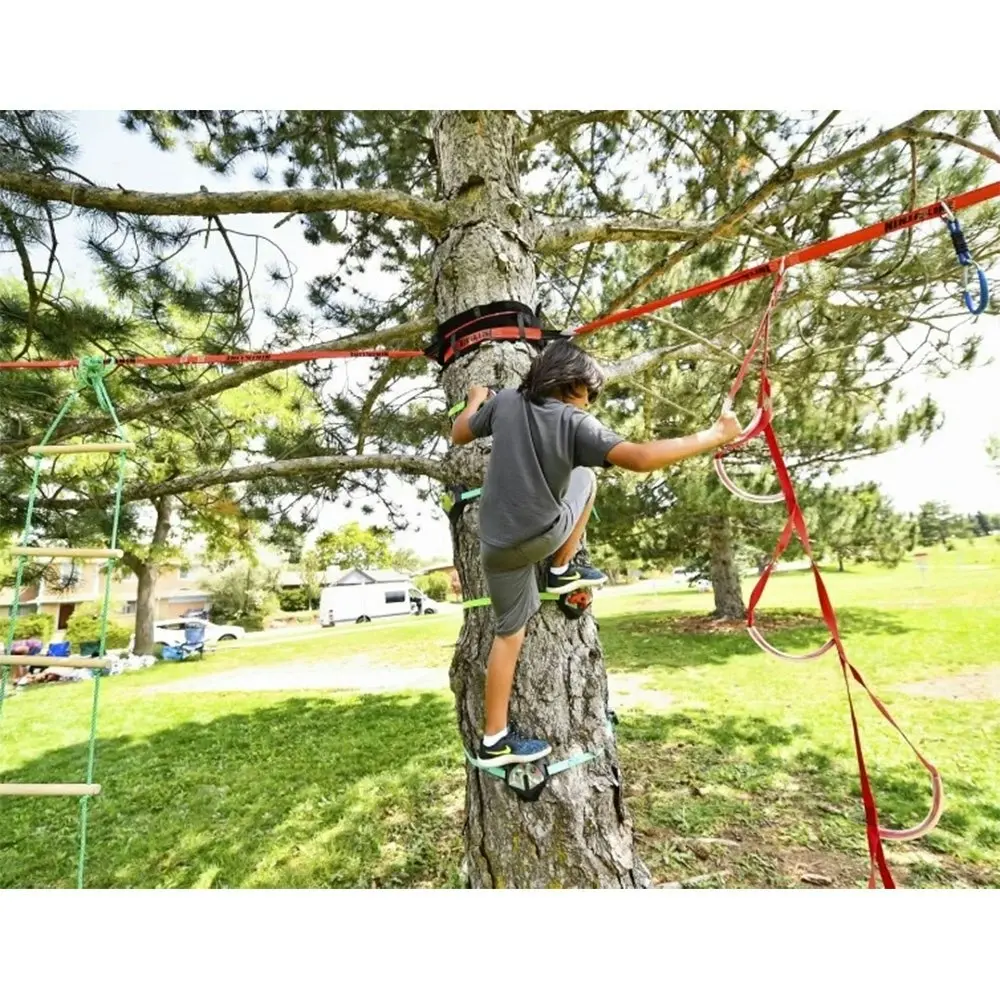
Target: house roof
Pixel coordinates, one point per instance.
(374, 576)
(292, 577)
(438, 568)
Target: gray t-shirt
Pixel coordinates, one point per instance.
(524, 487)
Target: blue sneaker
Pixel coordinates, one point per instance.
(576, 577)
(512, 749)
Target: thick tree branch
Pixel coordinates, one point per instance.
(397, 204)
(550, 127)
(205, 390)
(7, 217)
(571, 232)
(320, 464)
(624, 369)
(925, 133)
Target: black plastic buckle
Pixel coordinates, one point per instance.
(454, 502)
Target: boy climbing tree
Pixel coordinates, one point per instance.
(538, 494)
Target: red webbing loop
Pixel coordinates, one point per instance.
(762, 417)
(796, 525)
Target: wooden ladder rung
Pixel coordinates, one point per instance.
(59, 553)
(50, 788)
(109, 447)
(94, 662)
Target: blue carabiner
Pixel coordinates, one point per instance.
(984, 290)
(964, 256)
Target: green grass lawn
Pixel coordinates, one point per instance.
(749, 775)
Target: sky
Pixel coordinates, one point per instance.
(951, 467)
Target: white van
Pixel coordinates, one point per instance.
(363, 595)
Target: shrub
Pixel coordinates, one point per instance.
(252, 621)
(246, 595)
(85, 626)
(29, 627)
(293, 599)
(437, 586)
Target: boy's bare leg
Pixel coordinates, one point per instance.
(564, 554)
(500, 680)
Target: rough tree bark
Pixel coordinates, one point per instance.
(147, 573)
(725, 575)
(579, 832)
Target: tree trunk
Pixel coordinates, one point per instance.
(725, 575)
(578, 833)
(145, 607)
(147, 573)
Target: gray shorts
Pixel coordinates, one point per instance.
(510, 573)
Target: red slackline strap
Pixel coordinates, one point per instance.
(776, 265)
(822, 249)
(224, 359)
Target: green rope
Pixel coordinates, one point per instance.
(91, 373)
(22, 561)
(90, 376)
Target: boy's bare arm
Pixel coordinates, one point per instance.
(461, 433)
(647, 456)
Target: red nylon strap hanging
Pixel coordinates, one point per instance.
(761, 338)
(762, 417)
(796, 525)
(822, 249)
(224, 359)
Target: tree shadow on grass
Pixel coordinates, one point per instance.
(369, 792)
(306, 792)
(790, 802)
(670, 639)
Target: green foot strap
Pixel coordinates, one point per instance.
(477, 602)
(573, 605)
(574, 761)
(483, 602)
(497, 772)
(456, 495)
(528, 780)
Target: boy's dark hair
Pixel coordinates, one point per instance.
(561, 367)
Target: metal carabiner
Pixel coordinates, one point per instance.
(969, 265)
(984, 288)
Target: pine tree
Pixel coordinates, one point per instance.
(578, 211)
